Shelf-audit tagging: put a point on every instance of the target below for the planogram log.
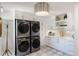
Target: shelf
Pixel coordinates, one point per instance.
(62, 21)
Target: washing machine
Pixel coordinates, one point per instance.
(22, 37)
(35, 28)
(22, 28)
(22, 46)
(35, 43)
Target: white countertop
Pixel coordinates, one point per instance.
(65, 38)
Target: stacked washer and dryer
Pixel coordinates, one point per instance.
(27, 37)
(35, 36)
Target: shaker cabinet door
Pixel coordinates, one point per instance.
(66, 46)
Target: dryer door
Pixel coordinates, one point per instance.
(36, 27)
(36, 43)
(23, 46)
(23, 27)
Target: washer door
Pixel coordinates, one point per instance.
(23, 46)
(23, 27)
(35, 27)
(36, 43)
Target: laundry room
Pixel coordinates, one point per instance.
(38, 29)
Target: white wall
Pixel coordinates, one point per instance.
(76, 15)
(7, 18)
(46, 23)
(24, 15)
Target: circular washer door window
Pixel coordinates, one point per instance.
(35, 27)
(24, 46)
(36, 43)
(23, 27)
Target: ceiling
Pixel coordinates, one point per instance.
(56, 7)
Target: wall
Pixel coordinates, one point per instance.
(24, 15)
(7, 18)
(76, 15)
(46, 23)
